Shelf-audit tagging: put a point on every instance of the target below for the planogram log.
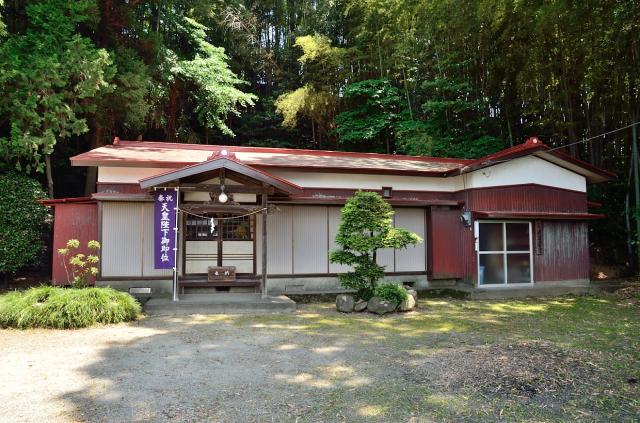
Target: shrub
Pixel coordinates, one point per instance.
(63, 308)
(365, 227)
(391, 292)
(82, 266)
(22, 220)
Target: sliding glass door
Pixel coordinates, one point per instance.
(504, 253)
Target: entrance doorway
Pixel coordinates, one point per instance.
(217, 239)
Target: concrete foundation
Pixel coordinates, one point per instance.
(538, 289)
(222, 303)
(158, 287)
(330, 284)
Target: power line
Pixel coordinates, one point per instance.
(492, 162)
(604, 134)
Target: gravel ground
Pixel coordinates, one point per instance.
(310, 366)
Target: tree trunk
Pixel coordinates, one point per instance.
(92, 171)
(172, 113)
(406, 92)
(47, 164)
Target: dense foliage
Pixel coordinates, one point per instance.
(66, 308)
(21, 221)
(365, 227)
(445, 78)
(391, 292)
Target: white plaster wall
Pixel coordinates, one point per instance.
(127, 174)
(366, 181)
(526, 170)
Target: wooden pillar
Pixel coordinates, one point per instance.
(263, 283)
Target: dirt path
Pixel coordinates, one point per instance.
(311, 366)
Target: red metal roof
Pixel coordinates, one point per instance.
(77, 200)
(162, 154)
(175, 155)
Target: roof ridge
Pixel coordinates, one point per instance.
(302, 151)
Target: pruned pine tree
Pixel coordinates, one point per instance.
(366, 226)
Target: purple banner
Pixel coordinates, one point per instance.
(164, 223)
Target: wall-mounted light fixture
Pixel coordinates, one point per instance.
(465, 218)
(387, 192)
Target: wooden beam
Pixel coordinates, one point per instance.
(264, 244)
(229, 189)
(219, 208)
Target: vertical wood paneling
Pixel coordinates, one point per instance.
(334, 222)
(386, 257)
(122, 230)
(310, 239)
(148, 244)
(411, 258)
(259, 243)
(72, 221)
(279, 242)
(565, 254)
(446, 231)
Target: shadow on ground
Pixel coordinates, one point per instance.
(452, 361)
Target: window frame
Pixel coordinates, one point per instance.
(505, 253)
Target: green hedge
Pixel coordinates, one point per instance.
(22, 220)
(63, 308)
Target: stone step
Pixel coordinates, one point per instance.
(222, 303)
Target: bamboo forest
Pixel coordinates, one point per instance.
(445, 78)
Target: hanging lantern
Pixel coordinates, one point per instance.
(222, 198)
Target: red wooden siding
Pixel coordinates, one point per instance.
(526, 198)
(72, 221)
(565, 243)
(444, 248)
(565, 251)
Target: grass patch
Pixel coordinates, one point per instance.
(570, 358)
(66, 308)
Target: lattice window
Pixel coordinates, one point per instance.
(238, 229)
(199, 229)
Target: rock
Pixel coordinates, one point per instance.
(345, 303)
(408, 304)
(360, 306)
(413, 293)
(379, 306)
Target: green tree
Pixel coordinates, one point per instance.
(49, 76)
(366, 226)
(203, 74)
(21, 222)
(375, 108)
(318, 99)
(453, 125)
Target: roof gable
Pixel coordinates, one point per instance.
(533, 146)
(218, 162)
